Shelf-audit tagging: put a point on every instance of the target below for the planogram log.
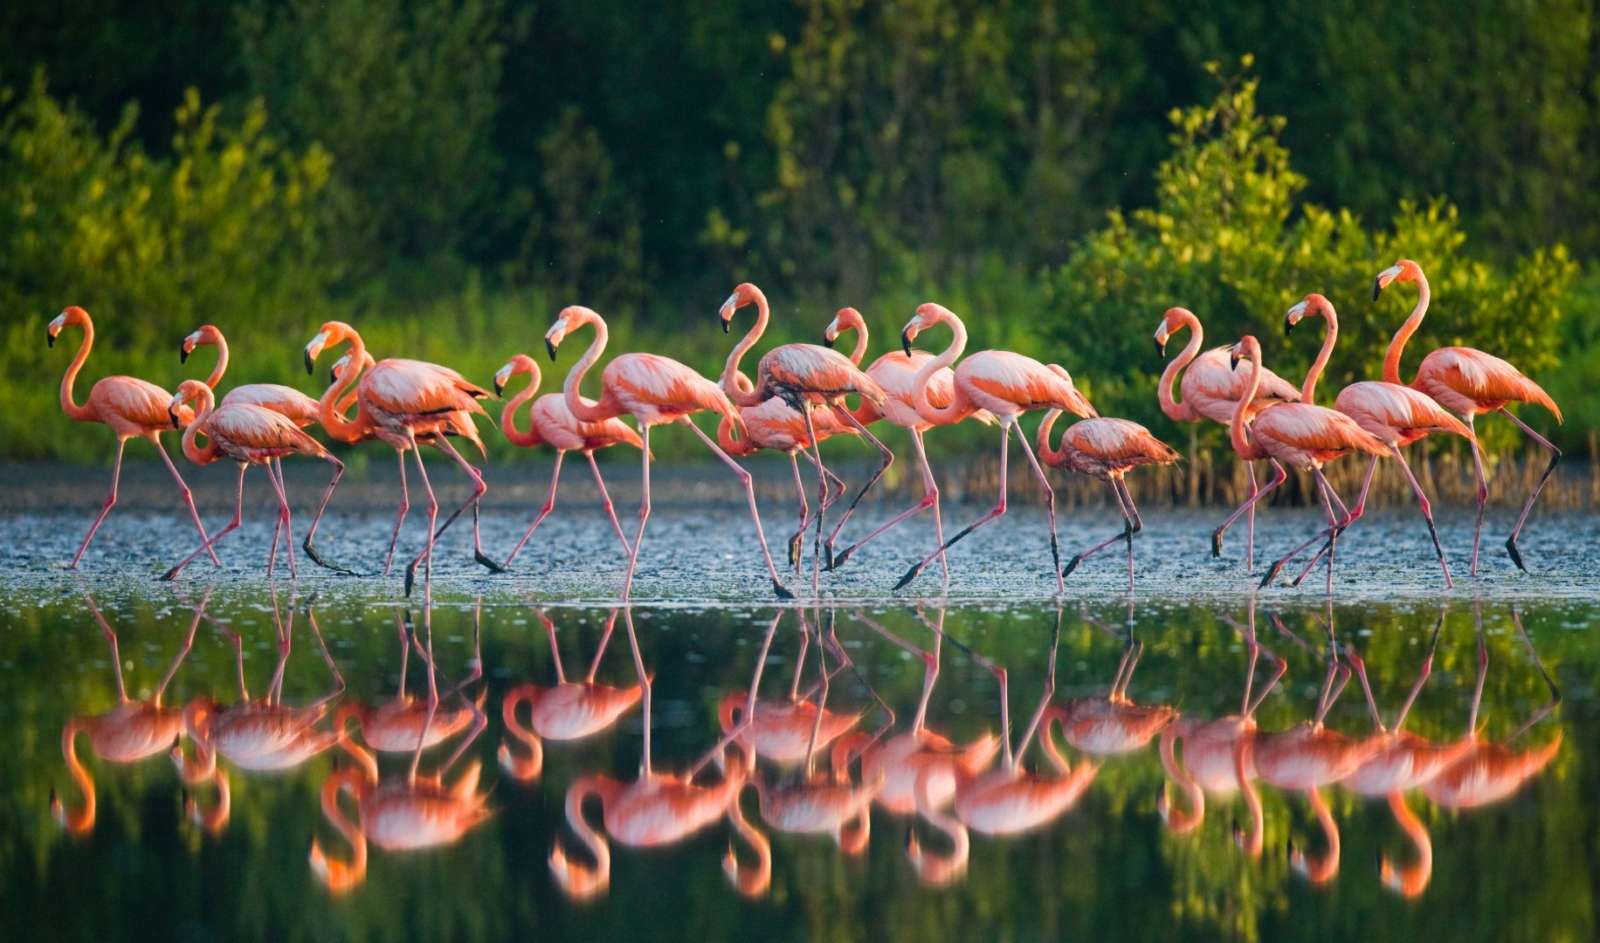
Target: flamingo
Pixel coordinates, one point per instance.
(571, 710)
(1114, 724)
(1106, 449)
(654, 390)
(1211, 388)
(787, 731)
(248, 435)
(1004, 384)
(406, 402)
(800, 374)
(132, 408)
(401, 723)
(1397, 415)
(1302, 435)
(896, 372)
(1469, 382)
(132, 731)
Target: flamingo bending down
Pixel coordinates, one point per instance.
(801, 374)
(248, 435)
(551, 423)
(1469, 382)
(896, 372)
(406, 402)
(132, 408)
(1006, 385)
(1106, 449)
(1397, 415)
(1211, 388)
(1302, 435)
(654, 390)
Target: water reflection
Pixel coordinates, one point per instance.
(1137, 733)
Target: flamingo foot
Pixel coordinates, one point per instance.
(411, 576)
(782, 592)
(837, 560)
(1272, 574)
(911, 574)
(488, 564)
(319, 560)
(1516, 555)
(170, 575)
(1071, 565)
(1216, 542)
(796, 550)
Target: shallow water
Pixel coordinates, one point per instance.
(1105, 865)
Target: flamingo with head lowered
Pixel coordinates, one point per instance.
(1469, 382)
(1004, 384)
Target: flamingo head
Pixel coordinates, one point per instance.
(521, 363)
(1171, 323)
(564, 322)
(745, 294)
(846, 319)
(189, 391)
(207, 334)
(72, 314)
(1402, 271)
(927, 315)
(1248, 346)
(331, 332)
(1312, 305)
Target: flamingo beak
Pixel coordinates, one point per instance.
(1233, 358)
(333, 375)
(550, 346)
(827, 341)
(310, 363)
(500, 379)
(172, 413)
(49, 338)
(1161, 339)
(183, 352)
(1382, 281)
(905, 341)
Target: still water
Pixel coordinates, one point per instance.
(174, 768)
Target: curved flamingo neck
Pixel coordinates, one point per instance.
(508, 415)
(529, 767)
(1308, 388)
(919, 384)
(84, 413)
(192, 449)
(583, 411)
(1180, 411)
(749, 880)
(1410, 880)
(576, 880)
(737, 447)
(938, 869)
(341, 875)
(1236, 435)
(221, 367)
(80, 820)
(1178, 820)
(745, 394)
(329, 408)
(1391, 359)
(1046, 453)
(859, 351)
(1243, 758)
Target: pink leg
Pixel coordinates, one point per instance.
(1483, 492)
(188, 498)
(230, 527)
(433, 516)
(275, 472)
(1347, 516)
(930, 500)
(1049, 506)
(1123, 534)
(998, 510)
(400, 518)
(822, 498)
(310, 546)
(796, 551)
(1279, 476)
(1427, 515)
(478, 491)
(1250, 521)
(750, 497)
(544, 512)
(1555, 459)
(638, 538)
(111, 501)
(605, 500)
(1329, 534)
(888, 459)
(1137, 526)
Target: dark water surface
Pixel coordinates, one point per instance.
(160, 859)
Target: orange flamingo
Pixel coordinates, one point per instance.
(1115, 724)
(1106, 449)
(1298, 434)
(654, 390)
(248, 435)
(131, 408)
(1212, 388)
(403, 403)
(399, 724)
(571, 710)
(1397, 415)
(1469, 382)
(130, 732)
(1005, 385)
(787, 731)
(551, 423)
(801, 374)
(1006, 800)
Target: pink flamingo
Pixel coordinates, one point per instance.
(1302, 435)
(248, 435)
(404, 402)
(1005, 385)
(1211, 388)
(896, 372)
(1469, 382)
(551, 423)
(791, 730)
(654, 390)
(132, 731)
(1397, 415)
(571, 710)
(1106, 449)
(1114, 724)
(801, 374)
(133, 409)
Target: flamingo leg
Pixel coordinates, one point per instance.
(105, 509)
(600, 650)
(400, 517)
(796, 554)
(544, 512)
(1424, 505)
(555, 649)
(1136, 525)
(116, 649)
(822, 499)
(1348, 516)
(433, 515)
(183, 490)
(1555, 459)
(1483, 490)
(1329, 534)
(1422, 674)
(643, 676)
(750, 498)
(888, 459)
(285, 517)
(1250, 520)
(1049, 506)
(644, 518)
(479, 489)
(277, 534)
(998, 510)
(1279, 476)
(930, 499)
(1124, 533)
(605, 501)
(228, 528)
(309, 546)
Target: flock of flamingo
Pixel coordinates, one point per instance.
(816, 768)
(797, 400)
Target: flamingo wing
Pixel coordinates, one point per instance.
(1212, 377)
(664, 384)
(136, 401)
(1018, 380)
(413, 387)
(1385, 409)
(1452, 375)
(259, 428)
(1317, 430)
(300, 408)
(1118, 442)
(813, 368)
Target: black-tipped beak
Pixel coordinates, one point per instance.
(1233, 360)
(727, 325)
(1288, 326)
(49, 338)
(183, 354)
(827, 341)
(333, 376)
(173, 415)
(905, 342)
(1377, 288)
(550, 346)
(1161, 347)
(311, 369)
(498, 387)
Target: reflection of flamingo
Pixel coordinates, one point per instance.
(131, 408)
(1397, 415)
(654, 390)
(406, 402)
(571, 710)
(785, 731)
(1004, 384)
(1469, 382)
(1302, 435)
(1106, 449)
(128, 733)
(1114, 724)
(1006, 800)
(552, 424)
(248, 435)
(1211, 388)
(400, 724)
(801, 374)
